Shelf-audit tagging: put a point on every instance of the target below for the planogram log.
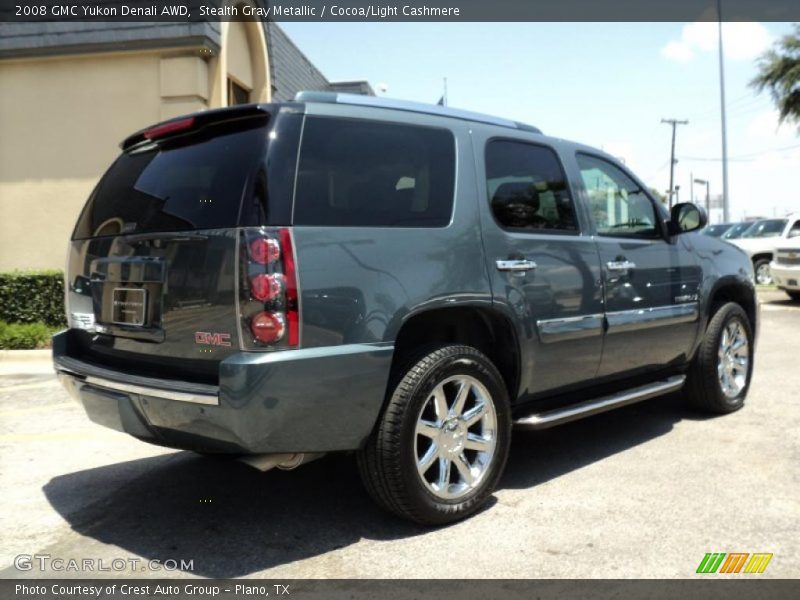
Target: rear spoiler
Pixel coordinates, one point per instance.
(195, 122)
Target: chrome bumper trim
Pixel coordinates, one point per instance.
(194, 398)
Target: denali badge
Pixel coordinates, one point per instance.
(212, 339)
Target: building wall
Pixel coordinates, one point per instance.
(62, 121)
(71, 92)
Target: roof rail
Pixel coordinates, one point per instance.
(419, 107)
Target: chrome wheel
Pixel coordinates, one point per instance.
(763, 274)
(733, 359)
(456, 437)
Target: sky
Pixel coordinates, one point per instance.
(603, 84)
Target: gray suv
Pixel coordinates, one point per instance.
(403, 281)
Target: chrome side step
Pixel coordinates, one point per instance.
(594, 406)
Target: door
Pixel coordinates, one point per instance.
(651, 281)
(544, 272)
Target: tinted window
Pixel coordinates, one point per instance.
(366, 173)
(620, 207)
(736, 231)
(766, 228)
(193, 182)
(527, 188)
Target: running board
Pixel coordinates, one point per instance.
(574, 412)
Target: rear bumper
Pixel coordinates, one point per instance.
(310, 400)
(786, 277)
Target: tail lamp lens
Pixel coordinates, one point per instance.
(266, 288)
(264, 251)
(267, 327)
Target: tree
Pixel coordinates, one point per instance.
(779, 72)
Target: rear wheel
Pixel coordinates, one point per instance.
(719, 377)
(762, 271)
(442, 442)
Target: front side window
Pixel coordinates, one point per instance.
(527, 188)
(619, 206)
(355, 173)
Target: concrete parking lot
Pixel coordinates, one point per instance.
(644, 491)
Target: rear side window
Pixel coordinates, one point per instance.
(355, 173)
(527, 188)
(192, 182)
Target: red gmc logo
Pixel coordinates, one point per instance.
(212, 339)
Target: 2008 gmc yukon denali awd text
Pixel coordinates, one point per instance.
(404, 281)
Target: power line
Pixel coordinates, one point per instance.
(674, 123)
(744, 157)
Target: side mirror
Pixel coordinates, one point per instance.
(686, 217)
(794, 233)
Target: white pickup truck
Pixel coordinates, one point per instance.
(761, 240)
(786, 268)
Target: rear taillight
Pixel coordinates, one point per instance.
(268, 298)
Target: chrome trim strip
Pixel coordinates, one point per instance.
(657, 316)
(598, 405)
(152, 392)
(570, 328)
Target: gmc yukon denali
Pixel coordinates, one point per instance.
(406, 282)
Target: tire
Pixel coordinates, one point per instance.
(705, 389)
(765, 277)
(389, 462)
(793, 295)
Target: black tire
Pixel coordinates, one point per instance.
(388, 462)
(793, 295)
(703, 389)
(758, 264)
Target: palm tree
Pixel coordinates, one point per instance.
(779, 72)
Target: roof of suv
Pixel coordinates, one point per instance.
(418, 107)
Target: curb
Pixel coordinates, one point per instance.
(26, 355)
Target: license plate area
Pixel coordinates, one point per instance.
(128, 306)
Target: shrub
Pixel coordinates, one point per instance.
(25, 336)
(32, 297)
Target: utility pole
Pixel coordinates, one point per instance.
(672, 161)
(725, 198)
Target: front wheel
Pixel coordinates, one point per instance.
(762, 271)
(719, 377)
(794, 295)
(442, 442)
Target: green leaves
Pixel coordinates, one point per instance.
(32, 297)
(25, 336)
(779, 72)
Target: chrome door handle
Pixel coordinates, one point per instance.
(620, 265)
(518, 265)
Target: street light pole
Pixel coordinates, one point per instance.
(672, 161)
(725, 197)
(708, 196)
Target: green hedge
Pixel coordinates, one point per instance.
(32, 297)
(25, 336)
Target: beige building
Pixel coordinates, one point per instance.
(70, 92)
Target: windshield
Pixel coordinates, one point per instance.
(766, 228)
(716, 230)
(736, 231)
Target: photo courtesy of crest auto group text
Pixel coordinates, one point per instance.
(430, 299)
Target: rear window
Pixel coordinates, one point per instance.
(364, 173)
(192, 182)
